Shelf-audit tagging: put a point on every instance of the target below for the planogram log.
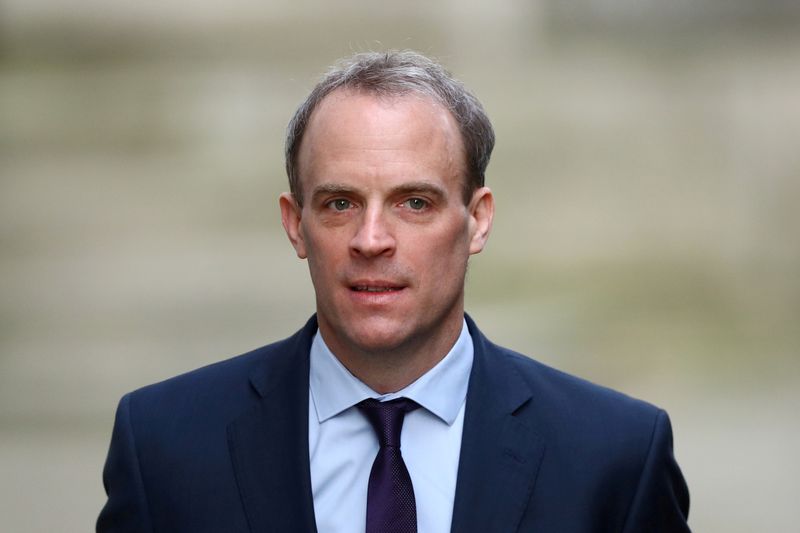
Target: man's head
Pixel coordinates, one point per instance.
(394, 74)
(386, 225)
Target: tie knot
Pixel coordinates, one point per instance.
(387, 418)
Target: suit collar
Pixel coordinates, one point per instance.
(292, 358)
(269, 442)
(500, 451)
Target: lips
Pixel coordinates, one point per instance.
(373, 288)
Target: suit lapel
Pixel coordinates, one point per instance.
(269, 443)
(500, 452)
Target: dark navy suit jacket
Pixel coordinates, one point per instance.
(225, 449)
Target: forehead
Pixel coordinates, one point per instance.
(351, 125)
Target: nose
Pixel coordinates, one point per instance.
(373, 237)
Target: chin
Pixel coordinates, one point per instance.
(377, 341)
(377, 337)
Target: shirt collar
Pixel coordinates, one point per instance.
(441, 390)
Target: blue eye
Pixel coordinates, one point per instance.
(340, 204)
(416, 203)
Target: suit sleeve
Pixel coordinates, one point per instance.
(661, 502)
(126, 508)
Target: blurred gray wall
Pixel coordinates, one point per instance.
(647, 175)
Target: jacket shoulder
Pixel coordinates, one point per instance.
(224, 375)
(224, 387)
(553, 385)
(574, 412)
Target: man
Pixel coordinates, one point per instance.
(389, 411)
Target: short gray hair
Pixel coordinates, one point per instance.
(398, 73)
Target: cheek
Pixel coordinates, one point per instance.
(445, 254)
(326, 255)
(315, 244)
(326, 239)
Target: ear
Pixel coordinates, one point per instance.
(291, 215)
(481, 214)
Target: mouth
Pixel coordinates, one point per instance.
(375, 288)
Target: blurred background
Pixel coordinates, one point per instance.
(647, 176)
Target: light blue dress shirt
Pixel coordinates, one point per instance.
(343, 445)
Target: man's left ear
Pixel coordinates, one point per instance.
(481, 214)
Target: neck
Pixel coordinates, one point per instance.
(392, 369)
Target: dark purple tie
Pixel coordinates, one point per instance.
(391, 507)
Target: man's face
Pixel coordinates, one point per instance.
(383, 222)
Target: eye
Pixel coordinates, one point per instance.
(416, 203)
(340, 204)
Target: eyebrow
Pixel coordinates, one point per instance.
(421, 187)
(414, 187)
(331, 188)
